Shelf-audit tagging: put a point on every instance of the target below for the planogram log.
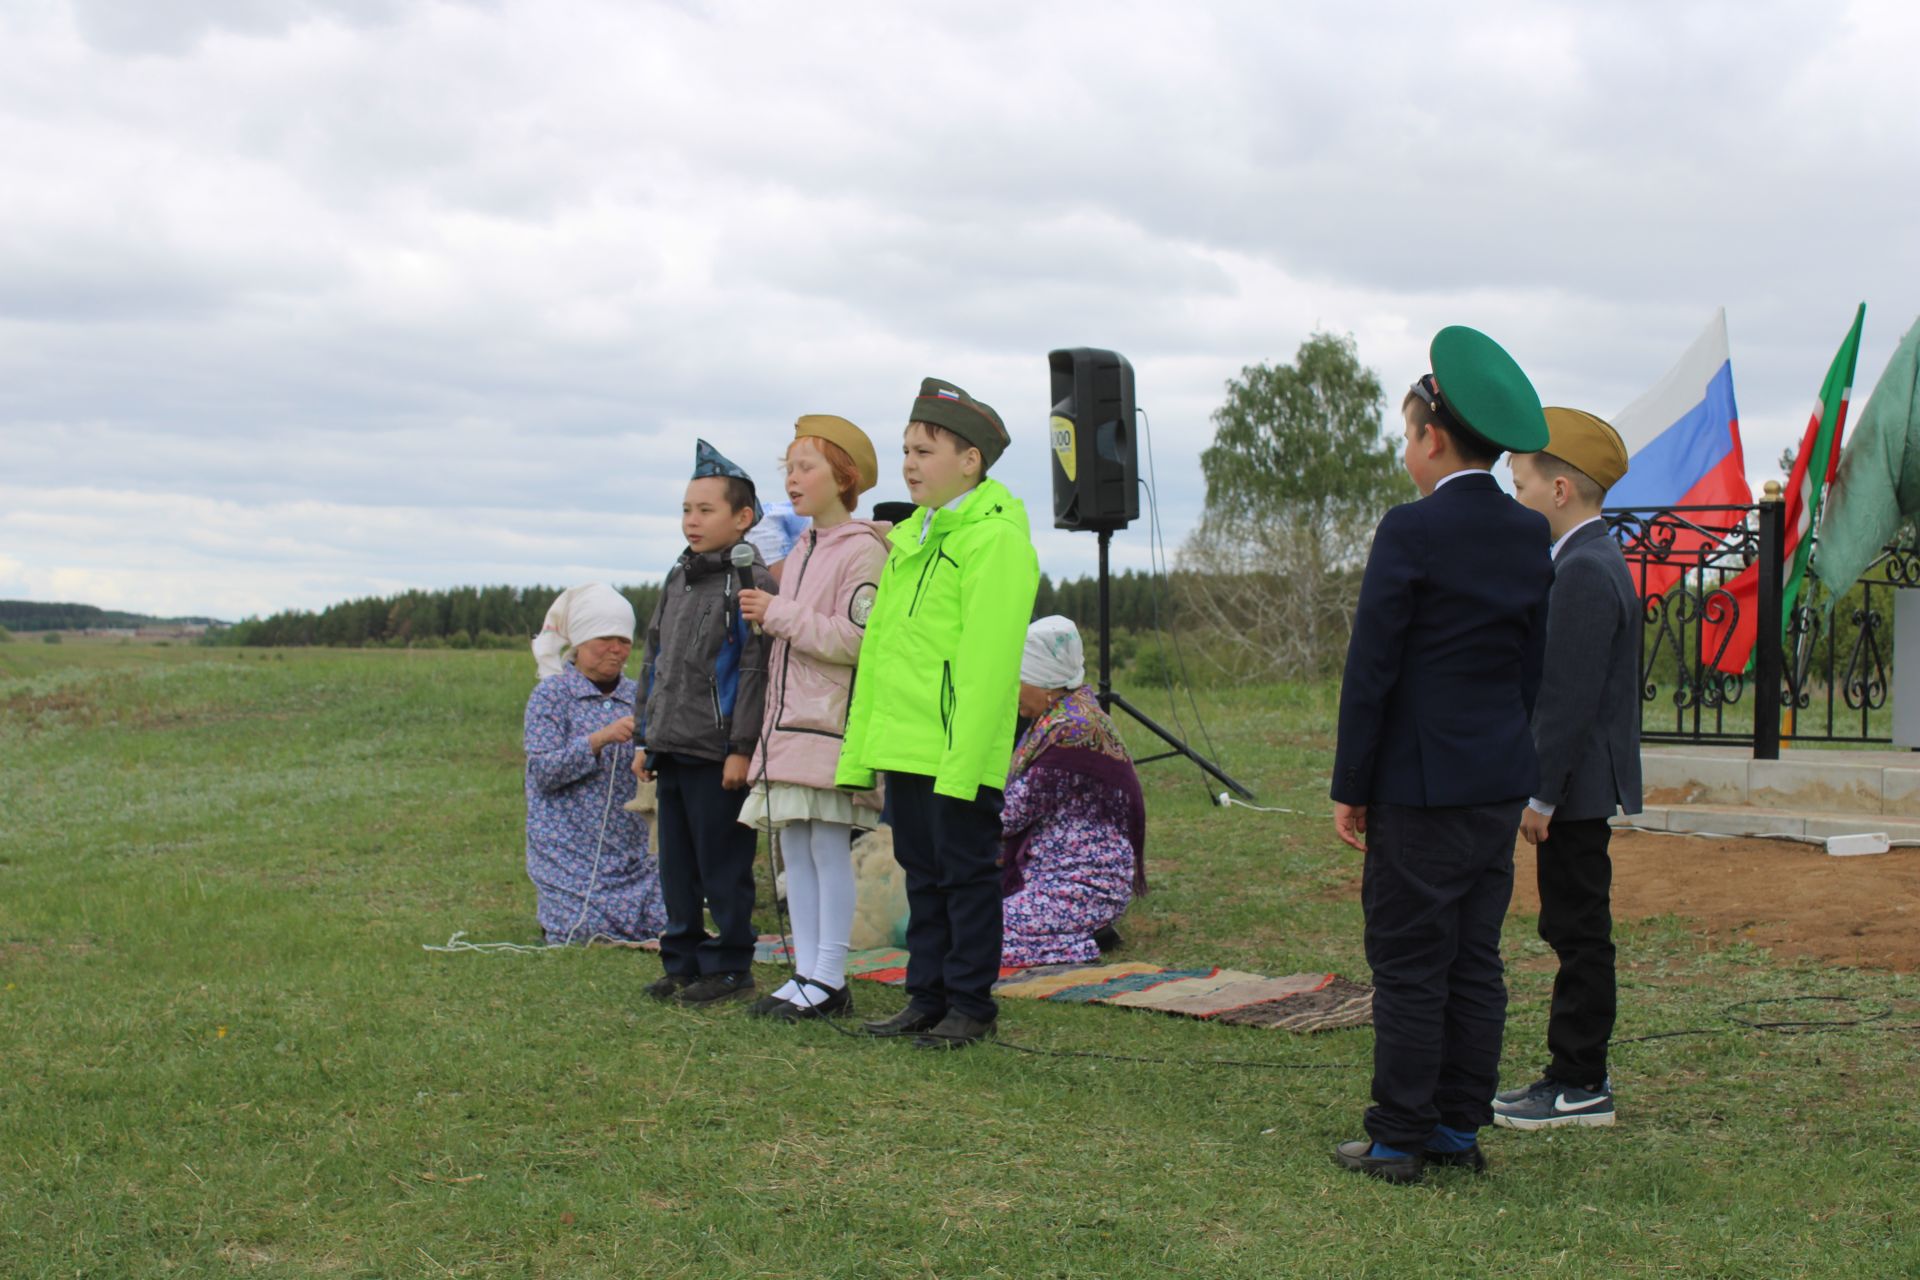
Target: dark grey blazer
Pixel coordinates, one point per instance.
(1586, 722)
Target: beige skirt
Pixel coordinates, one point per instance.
(790, 802)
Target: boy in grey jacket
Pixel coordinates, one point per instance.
(705, 680)
(1586, 728)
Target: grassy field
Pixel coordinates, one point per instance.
(225, 1052)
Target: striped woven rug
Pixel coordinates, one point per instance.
(1301, 1002)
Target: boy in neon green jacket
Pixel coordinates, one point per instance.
(934, 705)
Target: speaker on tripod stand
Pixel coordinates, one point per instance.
(1096, 487)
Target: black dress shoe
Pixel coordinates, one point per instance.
(1356, 1155)
(1107, 938)
(955, 1031)
(715, 987)
(1472, 1159)
(665, 987)
(909, 1021)
(817, 1000)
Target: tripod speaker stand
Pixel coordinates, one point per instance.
(1096, 486)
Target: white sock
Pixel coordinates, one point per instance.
(803, 904)
(833, 871)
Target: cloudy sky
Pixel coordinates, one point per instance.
(305, 299)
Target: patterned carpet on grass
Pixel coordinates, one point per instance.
(1298, 1002)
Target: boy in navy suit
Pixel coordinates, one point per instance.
(1435, 758)
(1586, 728)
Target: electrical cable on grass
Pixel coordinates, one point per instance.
(458, 941)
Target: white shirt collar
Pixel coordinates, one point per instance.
(1561, 541)
(926, 526)
(1455, 475)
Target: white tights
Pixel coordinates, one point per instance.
(819, 903)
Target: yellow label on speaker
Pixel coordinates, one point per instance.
(1061, 432)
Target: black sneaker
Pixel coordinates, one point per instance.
(716, 987)
(1548, 1104)
(665, 987)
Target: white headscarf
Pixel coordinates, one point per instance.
(1053, 658)
(587, 612)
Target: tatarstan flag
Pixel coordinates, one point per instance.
(1813, 468)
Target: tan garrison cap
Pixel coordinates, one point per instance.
(1586, 443)
(849, 437)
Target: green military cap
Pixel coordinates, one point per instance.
(945, 405)
(1482, 389)
(1587, 443)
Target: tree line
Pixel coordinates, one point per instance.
(503, 617)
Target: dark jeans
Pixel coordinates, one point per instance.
(1435, 890)
(950, 850)
(706, 864)
(1576, 920)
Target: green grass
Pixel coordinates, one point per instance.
(225, 1052)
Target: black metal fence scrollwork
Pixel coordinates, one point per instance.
(1819, 676)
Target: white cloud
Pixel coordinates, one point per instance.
(304, 300)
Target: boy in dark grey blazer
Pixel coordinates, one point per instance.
(1586, 729)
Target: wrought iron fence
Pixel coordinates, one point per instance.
(1821, 676)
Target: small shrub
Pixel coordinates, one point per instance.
(52, 637)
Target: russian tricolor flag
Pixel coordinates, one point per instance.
(1683, 443)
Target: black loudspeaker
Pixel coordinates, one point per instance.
(1096, 462)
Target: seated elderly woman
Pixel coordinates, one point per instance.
(586, 854)
(1075, 824)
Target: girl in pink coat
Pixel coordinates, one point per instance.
(816, 624)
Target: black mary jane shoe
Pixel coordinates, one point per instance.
(817, 1000)
(1358, 1156)
(908, 1022)
(955, 1031)
(767, 1006)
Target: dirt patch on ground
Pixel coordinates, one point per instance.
(1791, 898)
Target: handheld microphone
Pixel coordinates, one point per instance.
(742, 558)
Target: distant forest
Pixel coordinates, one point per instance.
(40, 615)
(508, 617)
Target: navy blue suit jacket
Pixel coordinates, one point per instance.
(1448, 645)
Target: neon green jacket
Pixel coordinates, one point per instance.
(937, 690)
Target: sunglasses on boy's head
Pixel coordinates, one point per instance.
(1429, 392)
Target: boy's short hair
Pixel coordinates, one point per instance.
(959, 442)
(1591, 491)
(1471, 446)
(738, 492)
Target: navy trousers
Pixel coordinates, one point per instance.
(706, 864)
(1435, 890)
(950, 850)
(1576, 920)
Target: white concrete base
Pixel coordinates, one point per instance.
(1803, 780)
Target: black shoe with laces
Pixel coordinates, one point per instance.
(716, 987)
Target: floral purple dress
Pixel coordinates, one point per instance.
(1074, 826)
(586, 855)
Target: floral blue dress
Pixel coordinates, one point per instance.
(1074, 828)
(586, 855)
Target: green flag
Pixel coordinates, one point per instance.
(1878, 483)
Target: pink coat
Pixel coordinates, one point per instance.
(817, 622)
